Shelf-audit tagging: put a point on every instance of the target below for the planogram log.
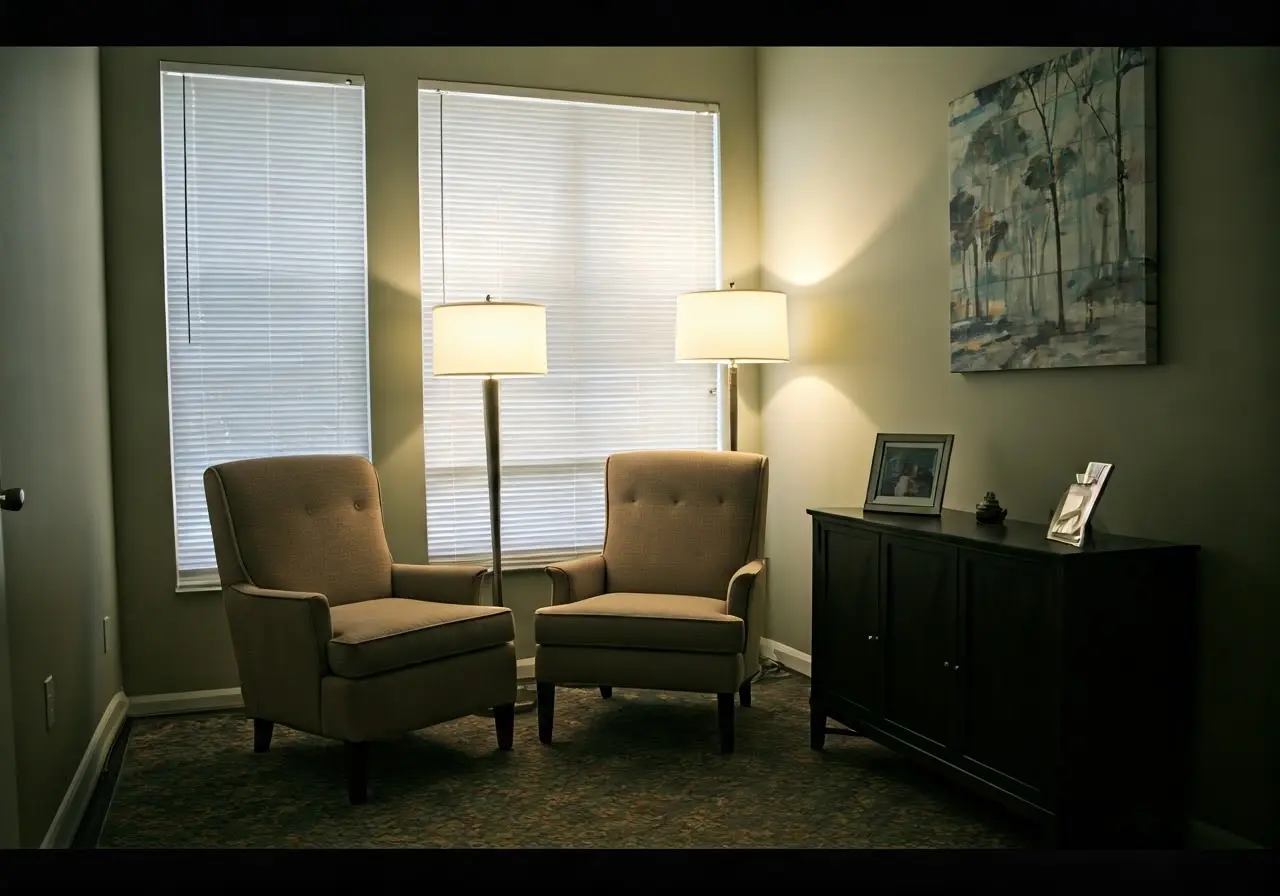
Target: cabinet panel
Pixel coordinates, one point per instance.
(1008, 693)
(918, 640)
(850, 617)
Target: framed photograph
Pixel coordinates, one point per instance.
(909, 474)
(1071, 517)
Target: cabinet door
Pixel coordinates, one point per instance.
(918, 641)
(846, 624)
(1009, 654)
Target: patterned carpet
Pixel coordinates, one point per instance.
(639, 770)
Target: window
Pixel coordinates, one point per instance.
(604, 210)
(265, 277)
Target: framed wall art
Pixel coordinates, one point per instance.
(1053, 215)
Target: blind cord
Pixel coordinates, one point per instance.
(444, 297)
(186, 205)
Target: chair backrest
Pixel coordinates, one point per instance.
(310, 523)
(682, 522)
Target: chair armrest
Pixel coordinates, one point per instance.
(293, 615)
(446, 583)
(577, 579)
(738, 599)
(281, 644)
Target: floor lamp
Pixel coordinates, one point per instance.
(490, 340)
(732, 326)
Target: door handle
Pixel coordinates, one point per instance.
(12, 499)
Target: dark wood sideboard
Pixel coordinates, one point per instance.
(1057, 680)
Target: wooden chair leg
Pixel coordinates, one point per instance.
(504, 720)
(546, 710)
(357, 756)
(744, 693)
(606, 691)
(262, 729)
(726, 722)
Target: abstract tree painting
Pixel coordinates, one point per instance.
(1053, 215)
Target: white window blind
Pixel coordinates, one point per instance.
(603, 210)
(265, 278)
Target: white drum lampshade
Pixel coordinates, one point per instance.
(747, 326)
(488, 339)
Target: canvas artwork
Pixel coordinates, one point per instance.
(1053, 192)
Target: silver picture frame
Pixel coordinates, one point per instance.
(1070, 522)
(909, 473)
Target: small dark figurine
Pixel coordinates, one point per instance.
(990, 511)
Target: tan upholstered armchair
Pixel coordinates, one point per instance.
(331, 636)
(675, 601)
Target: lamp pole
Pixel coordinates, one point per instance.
(733, 404)
(493, 465)
(526, 698)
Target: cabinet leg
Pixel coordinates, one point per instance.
(817, 726)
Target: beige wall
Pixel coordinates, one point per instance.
(59, 564)
(179, 642)
(854, 187)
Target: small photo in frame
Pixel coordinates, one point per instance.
(909, 473)
(1071, 517)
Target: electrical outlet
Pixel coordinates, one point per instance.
(106, 634)
(49, 715)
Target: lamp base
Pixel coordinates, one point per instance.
(526, 701)
(526, 698)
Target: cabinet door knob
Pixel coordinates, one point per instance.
(946, 665)
(871, 637)
(955, 668)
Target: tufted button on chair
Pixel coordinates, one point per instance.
(330, 635)
(676, 599)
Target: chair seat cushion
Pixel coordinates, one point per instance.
(646, 621)
(373, 636)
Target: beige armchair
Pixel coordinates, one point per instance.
(675, 600)
(332, 637)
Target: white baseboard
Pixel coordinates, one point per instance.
(186, 701)
(66, 821)
(229, 698)
(787, 657)
(1202, 835)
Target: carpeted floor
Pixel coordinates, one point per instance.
(640, 770)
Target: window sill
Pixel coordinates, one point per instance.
(198, 584)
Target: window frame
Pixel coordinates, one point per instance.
(204, 580)
(538, 560)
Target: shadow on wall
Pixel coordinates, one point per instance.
(395, 410)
